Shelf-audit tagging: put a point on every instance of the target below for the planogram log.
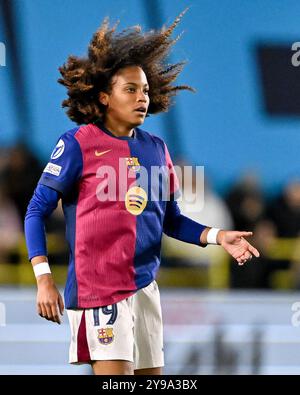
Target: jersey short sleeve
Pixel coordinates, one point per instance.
(65, 166)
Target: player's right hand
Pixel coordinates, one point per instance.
(49, 300)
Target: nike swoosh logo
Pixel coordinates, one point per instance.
(101, 153)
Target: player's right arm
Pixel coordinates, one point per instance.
(42, 204)
(58, 179)
(49, 301)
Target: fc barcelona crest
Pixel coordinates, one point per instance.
(133, 164)
(105, 335)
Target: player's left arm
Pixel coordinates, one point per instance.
(183, 228)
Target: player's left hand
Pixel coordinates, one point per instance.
(235, 244)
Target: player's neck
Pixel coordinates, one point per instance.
(118, 129)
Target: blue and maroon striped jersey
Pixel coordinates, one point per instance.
(115, 193)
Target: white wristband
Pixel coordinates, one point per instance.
(41, 268)
(211, 236)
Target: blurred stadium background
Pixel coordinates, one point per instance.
(242, 125)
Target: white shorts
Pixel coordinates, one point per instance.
(129, 330)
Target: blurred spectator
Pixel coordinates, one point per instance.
(250, 212)
(295, 265)
(209, 210)
(285, 211)
(20, 177)
(257, 272)
(246, 203)
(10, 225)
(3, 159)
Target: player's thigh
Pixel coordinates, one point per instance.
(149, 372)
(112, 367)
(148, 330)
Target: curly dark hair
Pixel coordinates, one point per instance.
(109, 52)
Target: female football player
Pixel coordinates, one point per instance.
(116, 206)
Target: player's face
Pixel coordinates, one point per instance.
(128, 100)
